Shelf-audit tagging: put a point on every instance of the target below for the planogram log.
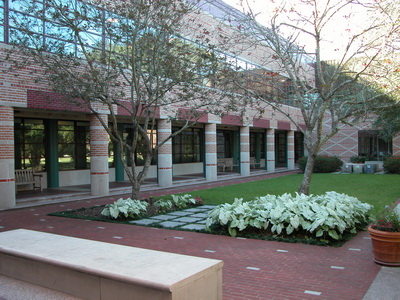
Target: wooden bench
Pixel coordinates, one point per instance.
(28, 177)
(253, 163)
(96, 270)
(226, 164)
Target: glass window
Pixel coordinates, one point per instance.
(186, 146)
(73, 145)
(372, 146)
(2, 33)
(60, 32)
(224, 144)
(29, 140)
(257, 145)
(298, 145)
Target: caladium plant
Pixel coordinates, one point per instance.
(126, 208)
(320, 216)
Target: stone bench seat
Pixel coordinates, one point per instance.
(97, 270)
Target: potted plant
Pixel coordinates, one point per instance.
(385, 236)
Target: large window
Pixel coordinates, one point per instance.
(280, 149)
(42, 22)
(73, 145)
(298, 145)
(257, 146)
(186, 146)
(2, 21)
(225, 143)
(372, 146)
(29, 139)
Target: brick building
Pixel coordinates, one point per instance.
(69, 146)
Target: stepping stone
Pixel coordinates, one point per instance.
(171, 224)
(202, 222)
(187, 220)
(195, 209)
(194, 227)
(180, 213)
(164, 217)
(208, 206)
(200, 215)
(144, 221)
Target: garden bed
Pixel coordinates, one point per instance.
(329, 219)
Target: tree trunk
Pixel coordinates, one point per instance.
(135, 191)
(305, 184)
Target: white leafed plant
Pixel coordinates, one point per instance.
(319, 216)
(125, 208)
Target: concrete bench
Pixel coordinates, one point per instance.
(27, 177)
(97, 270)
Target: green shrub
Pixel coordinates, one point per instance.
(358, 159)
(392, 164)
(323, 164)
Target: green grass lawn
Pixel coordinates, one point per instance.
(378, 190)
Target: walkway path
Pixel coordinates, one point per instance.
(253, 269)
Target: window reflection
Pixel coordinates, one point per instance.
(101, 32)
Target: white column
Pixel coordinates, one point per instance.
(99, 176)
(290, 150)
(244, 151)
(211, 151)
(164, 154)
(270, 150)
(7, 175)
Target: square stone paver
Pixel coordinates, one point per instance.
(164, 217)
(145, 221)
(187, 220)
(204, 221)
(200, 215)
(171, 224)
(194, 227)
(180, 213)
(194, 209)
(208, 207)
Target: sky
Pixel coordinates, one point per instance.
(337, 34)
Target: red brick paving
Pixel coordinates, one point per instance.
(284, 274)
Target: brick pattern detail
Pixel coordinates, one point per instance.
(282, 125)
(261, 123)
(244, 139)
(344, 144)
(290, 149)
(98, 137)
(163, 131)
(270, 138)
(53, 101)
(232, 120)
(6, 133)
(211, 138)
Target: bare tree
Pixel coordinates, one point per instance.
(295, 36)
(126, 57)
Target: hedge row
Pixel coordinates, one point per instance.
(392, 164)
(323, 164)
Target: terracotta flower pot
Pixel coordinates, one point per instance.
(386, 247)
